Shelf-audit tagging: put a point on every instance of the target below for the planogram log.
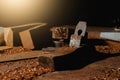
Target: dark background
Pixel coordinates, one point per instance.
(103, 12)
(95, 12)
(67, 12)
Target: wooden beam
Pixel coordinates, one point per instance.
(34, 54)
(27, 38)
(11, 34)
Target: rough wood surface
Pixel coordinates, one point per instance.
(27, 65)
(34, 54)
(8, 37)
(26, 69)
(26, 39)
(4, 48)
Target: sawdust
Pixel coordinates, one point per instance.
(112, 47)
(24, 69)
(15, 50)
(103, 70)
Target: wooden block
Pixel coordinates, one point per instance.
(8, 37)
(26, 39)
(37, 37)
(11, 34)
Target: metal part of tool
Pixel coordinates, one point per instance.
(82, 25)
(75, 39)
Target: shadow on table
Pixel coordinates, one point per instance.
(80, 58)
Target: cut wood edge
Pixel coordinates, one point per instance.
(4, 48)
(25, 25)
(26, 39)
(8, 37)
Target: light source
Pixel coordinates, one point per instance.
(14, 12)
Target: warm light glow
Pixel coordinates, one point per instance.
(13, 11)
(14, 2)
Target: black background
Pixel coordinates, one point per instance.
(95, 12)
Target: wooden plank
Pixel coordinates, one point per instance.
(17, 70)
(25, 25)
(4, 48)
(35, 27)
(34, 54)
(26, 39)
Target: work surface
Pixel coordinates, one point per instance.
(97, 60)
(34, 54)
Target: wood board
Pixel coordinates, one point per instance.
(34, 54)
